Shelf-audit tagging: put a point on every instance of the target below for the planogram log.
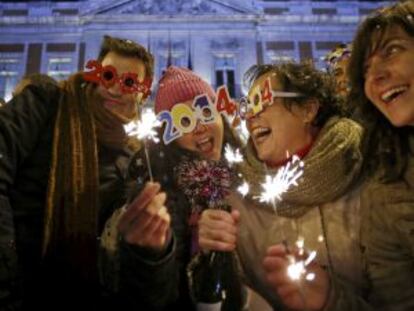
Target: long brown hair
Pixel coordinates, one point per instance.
(386, 145)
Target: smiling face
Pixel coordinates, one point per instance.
(277, 130)
(389, 77)
(206, 139)
(341, 76)
(113, 98)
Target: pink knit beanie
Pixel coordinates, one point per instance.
(179, 85)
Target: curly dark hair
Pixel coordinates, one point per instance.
(386, 145)
(128, 48)
(303, 78)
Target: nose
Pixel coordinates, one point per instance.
(200, 128)
(378, 71)
(250, 122)
(252, 115)
(115, 90)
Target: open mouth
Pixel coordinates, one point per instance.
(205, 145)
(260, 134)
(394, 93)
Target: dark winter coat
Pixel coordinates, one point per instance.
(26, 135)
(163, 160)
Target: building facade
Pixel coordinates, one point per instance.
(218, 39)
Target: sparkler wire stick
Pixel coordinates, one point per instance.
(148, 162)
(284, 240)
(293, 175)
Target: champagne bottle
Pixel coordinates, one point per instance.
(213, 278)
(215, 282)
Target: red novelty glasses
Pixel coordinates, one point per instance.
(108, 76)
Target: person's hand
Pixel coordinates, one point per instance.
(146, 220)
(295, 294)
(218, 230)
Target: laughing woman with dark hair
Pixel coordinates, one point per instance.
(382, 71)
(294, 110)
(382, 90)
(381, 74)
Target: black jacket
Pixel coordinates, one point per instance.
(26, 134)
(163, 160)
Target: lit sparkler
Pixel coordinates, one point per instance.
(232, 155)
(297, 269)
(144, 130)
(243, 189)
(273, 189)
(286, 176)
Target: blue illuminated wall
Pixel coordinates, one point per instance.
(218, 39)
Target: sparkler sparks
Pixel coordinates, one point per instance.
(244, 189)
(286, 176)
(232, 155)
(297, 268)
(144, 128)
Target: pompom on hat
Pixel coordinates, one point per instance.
(179, 85)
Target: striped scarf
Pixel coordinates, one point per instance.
(71, 216)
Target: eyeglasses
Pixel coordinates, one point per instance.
(250, 108)
(108, 76)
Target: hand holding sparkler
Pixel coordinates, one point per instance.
(146, 222)
(301, 283)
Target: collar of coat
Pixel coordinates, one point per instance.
(331, 168)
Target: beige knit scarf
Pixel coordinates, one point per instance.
(331, 168)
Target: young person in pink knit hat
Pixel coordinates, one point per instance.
(205, 141)
(181, 86)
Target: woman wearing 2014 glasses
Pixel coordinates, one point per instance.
(292, 110)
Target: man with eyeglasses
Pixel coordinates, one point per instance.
(63, 150)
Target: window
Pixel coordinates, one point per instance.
(60, 60)
(275, 11)
(225, 73)
(60, 12)
(363, 11)
(60, 67)
(10, 69)
(280, 45)
(324, 11)
(15, 12)
(280, 51)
